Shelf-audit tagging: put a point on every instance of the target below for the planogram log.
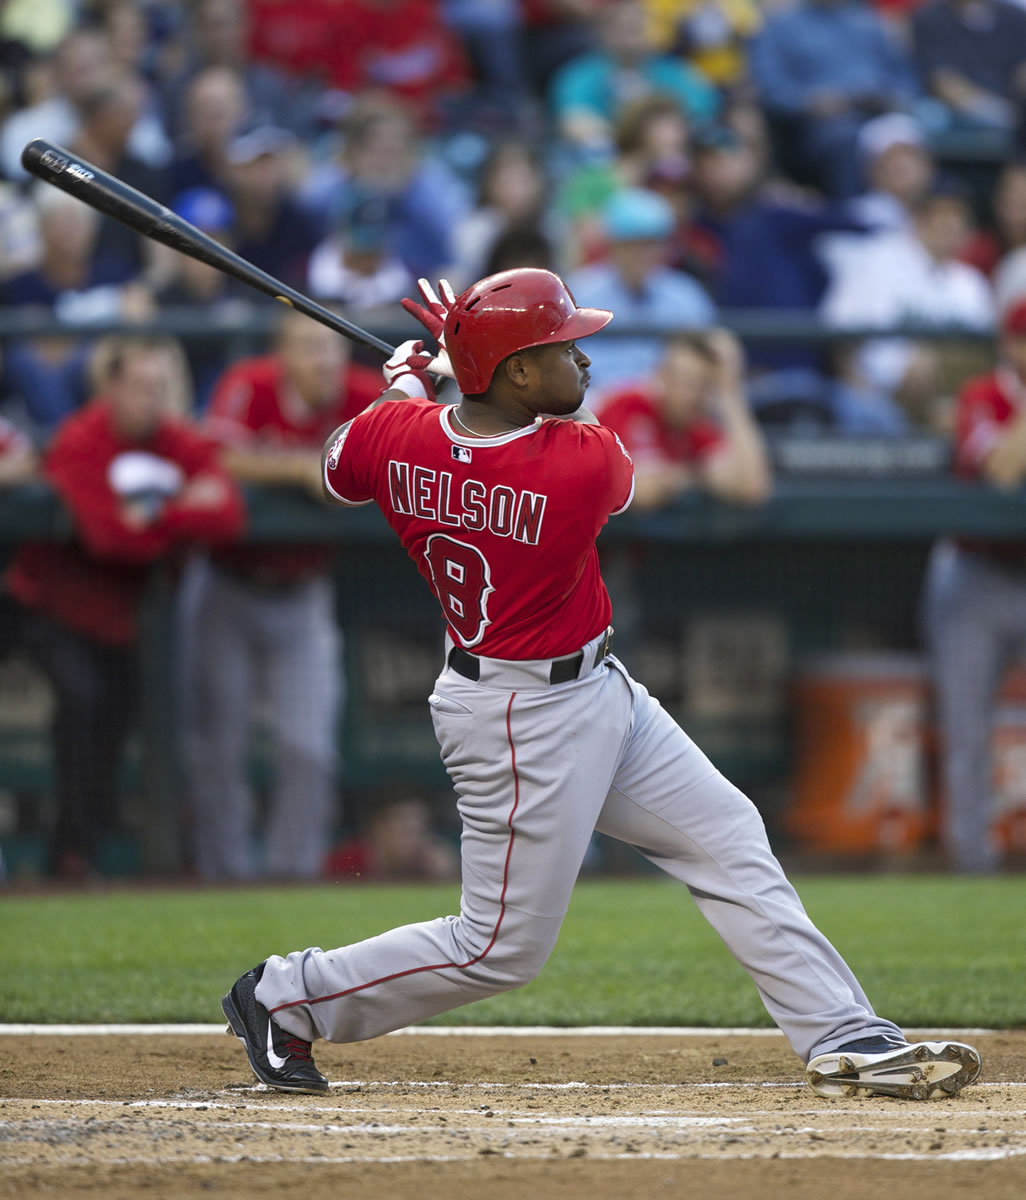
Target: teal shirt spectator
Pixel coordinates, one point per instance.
(597, 84)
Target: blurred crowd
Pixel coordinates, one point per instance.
(677, 161)
(673, 159)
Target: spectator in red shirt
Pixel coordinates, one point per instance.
(139, 485)
(689, 426)
(975, 602)
(263, 617)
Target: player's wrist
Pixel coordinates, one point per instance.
(411, 385)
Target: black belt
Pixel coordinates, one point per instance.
(562, 670)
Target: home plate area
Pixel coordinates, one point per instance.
(530, 1115)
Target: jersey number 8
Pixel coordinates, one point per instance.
(461, 579)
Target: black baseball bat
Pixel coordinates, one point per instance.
(102, 191)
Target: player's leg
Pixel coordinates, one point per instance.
(303, 650)
(971, 621)
(670, 802)
(531, 770)
(222, 686)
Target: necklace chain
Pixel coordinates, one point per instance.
(474, 432)
(460, 421)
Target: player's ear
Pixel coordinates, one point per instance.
(517, 370)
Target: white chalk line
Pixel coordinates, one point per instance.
(512, 1031)
(988, 1154)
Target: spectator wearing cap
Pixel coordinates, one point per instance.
(975, 603)
(589, 92)
(822, 68)
(356, 265)
(271, 230)
(201, 289)
(971, 56)
(910, 276)
(897, 170)
(635, 282)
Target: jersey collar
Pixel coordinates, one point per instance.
(499, 439)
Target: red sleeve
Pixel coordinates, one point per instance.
(229, 416)
(348, 464)
(616, 467)
(633, 424)
(977, 425)
(223, 522)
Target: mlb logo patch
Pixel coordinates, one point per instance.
(461, 454)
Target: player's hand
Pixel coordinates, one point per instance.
(412, 359)
(432, 313)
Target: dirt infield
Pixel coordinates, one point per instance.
(496, 1117)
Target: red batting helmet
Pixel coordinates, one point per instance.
(508, 312)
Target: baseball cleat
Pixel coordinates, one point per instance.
(278, 1058)
(882, 1067)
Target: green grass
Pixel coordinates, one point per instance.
(944, 951)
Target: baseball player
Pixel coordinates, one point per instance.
(546, 737)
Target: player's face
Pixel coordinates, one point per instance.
(561, 378)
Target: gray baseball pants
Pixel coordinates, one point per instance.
(975, 625)
(283, 648)
(537, 769)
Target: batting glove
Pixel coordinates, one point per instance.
(432, 313)
(410, 369)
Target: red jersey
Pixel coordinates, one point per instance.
(635, 416)
(95, 583)
(254, 406)
(502, 528)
